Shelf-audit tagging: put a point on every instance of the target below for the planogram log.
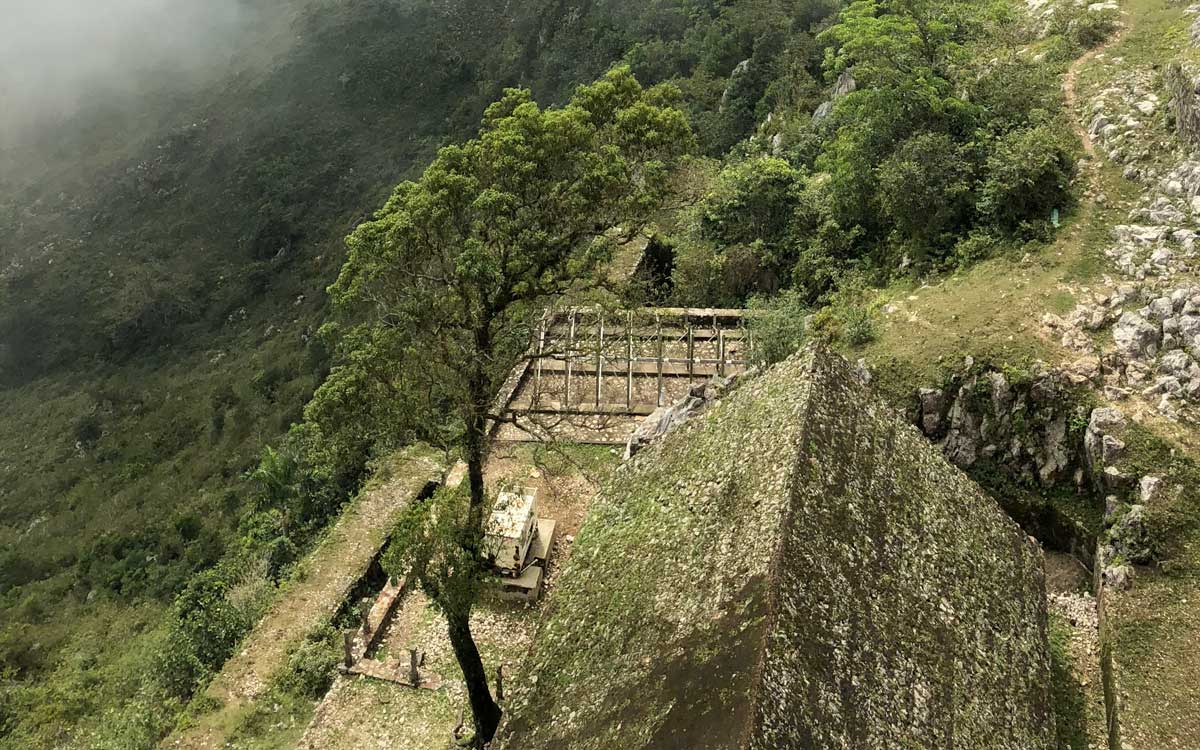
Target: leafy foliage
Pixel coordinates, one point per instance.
(947, 130)
(454, 269)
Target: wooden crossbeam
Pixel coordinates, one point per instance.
(642, 334)
(558, 407)
(645, 366)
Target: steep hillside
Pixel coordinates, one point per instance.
(164, 261)
(988, 206)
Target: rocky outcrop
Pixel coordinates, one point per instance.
(1019, 423)
(739, 71)
(1183, 87)
(666, 419)
(844, 84)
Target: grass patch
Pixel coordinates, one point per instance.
(1070, 702)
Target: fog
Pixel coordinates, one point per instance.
(59, 56)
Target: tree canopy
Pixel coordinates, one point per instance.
(443, 284)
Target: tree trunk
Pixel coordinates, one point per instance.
(484, 711)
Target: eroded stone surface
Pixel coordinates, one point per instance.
(797, 567)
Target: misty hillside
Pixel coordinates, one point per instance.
(171, 222)
(274, 272)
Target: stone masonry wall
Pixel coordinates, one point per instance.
(796, 567)
(911, 610)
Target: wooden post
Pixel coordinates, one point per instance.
(348, 647)
(691, 353)
(500, 683)
(414, 676)
(569, 352)
(599, 356)
(658, 335)
(629, 362)
(537, 366)
(721, 352)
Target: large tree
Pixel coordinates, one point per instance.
(446, 279)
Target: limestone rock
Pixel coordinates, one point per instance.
(933, 411)
(1136, 337)
(1130, 537)
(1149, 489)
(1104, 422)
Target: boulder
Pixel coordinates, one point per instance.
(933, 410)
(1136, 337)
(666, 419)
(845, 84)
(1130, 536)
(1149, 489)
(1104, 422)
(1160, 309)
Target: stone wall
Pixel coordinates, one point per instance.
(1022, 433)
(797, 567)
(1182, 84)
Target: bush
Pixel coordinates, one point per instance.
(778, 326)
(924, 191)
(1028, 173)
(205, 628)
(88, 430)
(1090, 28)
(973, 248)
(310, 668)
(850, 316)
(859, 325)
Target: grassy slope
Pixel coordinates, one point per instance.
(161, 209)
(147, 311)
(992, 311)
(320, 585)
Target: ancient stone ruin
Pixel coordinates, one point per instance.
(795, 567)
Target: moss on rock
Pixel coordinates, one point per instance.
(798, 568)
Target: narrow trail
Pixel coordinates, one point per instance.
(1071, 78)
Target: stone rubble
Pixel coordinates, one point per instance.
(1151, 304)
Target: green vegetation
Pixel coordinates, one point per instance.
(454, 271)
(951, 145)
(164, 269)
(178, 433)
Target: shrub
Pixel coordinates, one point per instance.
(925, 189)
(310, 667)
(859, 325)
(205, 628)
(778, 326)
(1028, 173)
(88, 430)
(1090, 28)
(974, 247)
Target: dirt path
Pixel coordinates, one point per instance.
(1070, 81)
(328, 574)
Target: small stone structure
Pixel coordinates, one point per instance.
(517, 544)
(795, 568)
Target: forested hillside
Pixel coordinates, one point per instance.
(165, 255)
(179, 422)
